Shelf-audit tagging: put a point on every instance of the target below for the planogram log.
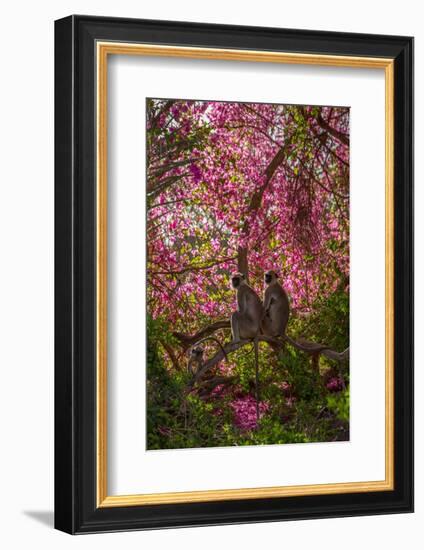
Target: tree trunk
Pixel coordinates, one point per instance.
(254, 206)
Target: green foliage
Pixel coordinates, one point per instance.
(174, 420)
(328, 323)
(340, 405)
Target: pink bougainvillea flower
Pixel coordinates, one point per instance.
(242, 179)
(335, 384)
(244, 410)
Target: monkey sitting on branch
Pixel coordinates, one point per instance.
(276, 307)
(246, 321)
(195, 359)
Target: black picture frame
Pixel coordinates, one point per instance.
(76, 510)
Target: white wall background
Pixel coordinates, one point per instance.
(26, 274)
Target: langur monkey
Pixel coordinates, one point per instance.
(246, 321)
(276, 307)
(195, 358)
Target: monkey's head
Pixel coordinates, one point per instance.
(237, 279)
(270, 277)
(196, 353)
(195, 360)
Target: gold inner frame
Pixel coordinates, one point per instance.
(103, 50)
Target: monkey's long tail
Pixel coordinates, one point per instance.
(255, 345)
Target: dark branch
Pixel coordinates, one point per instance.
(171, 354)
(310, 348)
(255, 205)
(343, 138)
(313, 348)
(187, 268)
(187, 340)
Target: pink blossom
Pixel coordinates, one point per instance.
(244, 409)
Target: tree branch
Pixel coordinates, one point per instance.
(159, 170)
(171, 355)
(211, 383)
(310, 348)
(254, 206)
(343, 138)
(186, 340)
(194, 267)
(314, 348)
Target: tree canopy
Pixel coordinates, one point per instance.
(248, 187)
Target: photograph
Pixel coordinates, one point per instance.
(234, 269)
(211, 301)
(247, 247)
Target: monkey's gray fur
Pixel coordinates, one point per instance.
(276, 307)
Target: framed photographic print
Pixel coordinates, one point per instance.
(234, 274)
